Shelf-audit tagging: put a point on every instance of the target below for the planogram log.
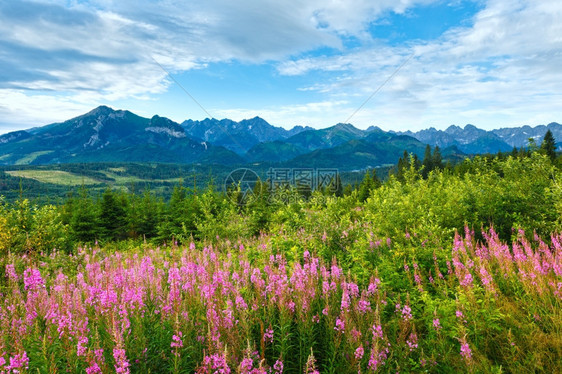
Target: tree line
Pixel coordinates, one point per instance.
(195, 214)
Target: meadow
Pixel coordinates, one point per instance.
(455, 270)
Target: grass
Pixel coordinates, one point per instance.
(128, 179)
(53, 176)
(31, 157)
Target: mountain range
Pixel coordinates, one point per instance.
(472, 140)
(108, 135)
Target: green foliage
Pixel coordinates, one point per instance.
(504, 191)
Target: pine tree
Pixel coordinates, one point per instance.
(83, 223)
(437, 158)
(338, 187)
(148, 215)
(417, 162)
(402, 166)
(365, 188)
(427, 162)
(514, 152)
(112, 215)
(370, 182)
(548, 145)
(376, 181)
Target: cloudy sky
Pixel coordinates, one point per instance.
(492, 63)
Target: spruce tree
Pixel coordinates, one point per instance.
(112, 215)
(427, 162)
(338, 187)
(548, 145)
(403, 165)
(365, 188)
(83, 223)
(148, 215)
(369, 183)
(437, 158)
(376, 181)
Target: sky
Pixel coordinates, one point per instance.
(397, 64)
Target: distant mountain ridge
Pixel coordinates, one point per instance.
(108, 135)
(238, 136)
(473, 140)
(104, 134)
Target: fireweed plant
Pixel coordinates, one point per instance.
(243, 308)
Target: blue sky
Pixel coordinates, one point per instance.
(491, 63)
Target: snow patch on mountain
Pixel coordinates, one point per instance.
(166, 130)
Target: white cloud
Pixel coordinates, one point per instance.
(35, 110)
(59, 58)
(100, 50)
(505, 69)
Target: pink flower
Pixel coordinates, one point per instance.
(121, 363)
(467, 281)
(278, 367)
(99, 354)
(11, 272)
(377, 332)
(363, 306)
(466, 352)
(246, 365)
(359, 352)
(406, 313)
(345, 301)
(373, 286)
(18, 362)
(377, 358)
(436, 324)
(268, 336)
(240, 303)
(93, 369)
(412, 341)
(217, 363)
(32, 279)
(81, 346)
(340, 325)
(177, 341)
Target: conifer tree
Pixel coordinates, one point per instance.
(148, 215)
(427, 162)
(83, 223)
(112, 215)
(370, 182)
(437, 158)
(548, 145)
